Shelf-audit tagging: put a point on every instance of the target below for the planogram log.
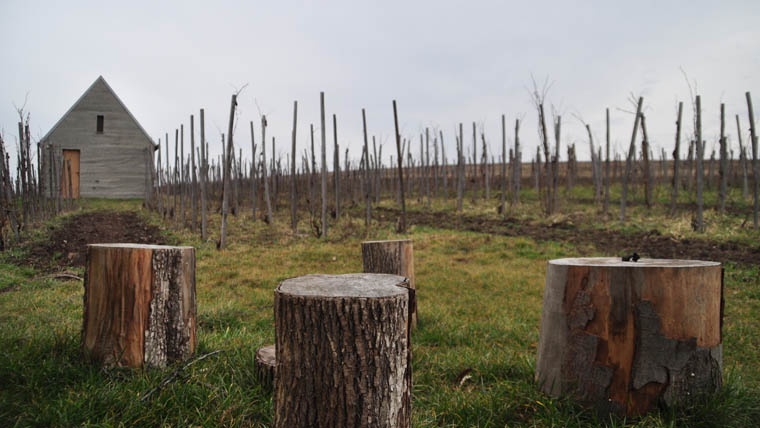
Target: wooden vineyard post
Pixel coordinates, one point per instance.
(392, 257)
(265, 364)
(402, 221)
(343, 351)
(139, 305)
(624, 336)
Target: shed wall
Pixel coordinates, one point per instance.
(112, 164)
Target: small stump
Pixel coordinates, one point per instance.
(393, 257)
(343, 351)
(139, 305)
(265, 363)
(624, 336)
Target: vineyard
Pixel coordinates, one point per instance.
(483, 221)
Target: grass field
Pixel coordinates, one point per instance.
(479, 298)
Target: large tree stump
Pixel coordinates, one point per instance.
(393, 257)
(139, 304)
(266, 363)
(624, 336)
(343, 351)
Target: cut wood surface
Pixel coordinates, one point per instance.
(624, 336)
(265, 363)
(139, 304)
(392, 257)
(343, 351)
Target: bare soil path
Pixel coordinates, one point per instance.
(67, 244)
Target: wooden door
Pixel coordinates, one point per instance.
(70, 159)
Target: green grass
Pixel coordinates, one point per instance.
(479, 300)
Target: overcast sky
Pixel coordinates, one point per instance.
(444, 62)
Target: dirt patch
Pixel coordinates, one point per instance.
(648, 244)
(67, 244)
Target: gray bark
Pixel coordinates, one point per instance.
(265, 363)
(343, 349)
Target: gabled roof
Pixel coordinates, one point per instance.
(101, 79)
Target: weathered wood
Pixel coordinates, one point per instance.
(755, 161)
(270, 221)
(293, 199)
(324, 164)
(742, 159)
(181, 172)
(336, 167)
(139, 305)
(445, 171)
(194, 183)
(607, 164)
(624, 336)
(402, 221)
(676, 156)
(426, 169)
(460, 169)
(112, 161)
(392, 257)
(516, 169)
(204, 176)
(265, 364)
(343, 351)
(648, 184)
(700, 165)
(723, 168)
(226, 185)
(368, 209)
(629, 159)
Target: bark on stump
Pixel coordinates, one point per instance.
(623, 336)
(139, 305)
(393, 257)
(265, 363)
(343, 351)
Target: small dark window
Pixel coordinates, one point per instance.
(100, 124)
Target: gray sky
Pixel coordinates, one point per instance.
(444, 62)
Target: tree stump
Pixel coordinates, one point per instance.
(624, 336)
(139, 305)
(343, 351)
(393, 257)
(265, 363)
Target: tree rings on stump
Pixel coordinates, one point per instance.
(624, 336)
(139, 304)
(343, 351)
